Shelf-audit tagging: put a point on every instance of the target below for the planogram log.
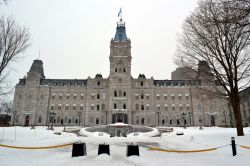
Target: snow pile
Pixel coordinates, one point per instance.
(193, 139)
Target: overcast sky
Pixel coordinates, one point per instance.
(73, 36)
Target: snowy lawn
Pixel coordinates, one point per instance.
(192, 139)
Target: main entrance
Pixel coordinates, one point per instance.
(119, 117)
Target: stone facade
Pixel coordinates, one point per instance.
(118, 98)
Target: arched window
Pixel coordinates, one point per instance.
(178, 122)
(142, 121)
(141, 83)
(124, 93)
(40, 119)
(98, 83)
(142, 107)
(97, 107)
(170, 121)
(142, 96)
(76, 121)
(103, 106)
(115, 106)
(97, 121)
(98, 96)
(124, 70)
(61, 121)
(69, 121)
(124, 106)
(115, 93)
(163, 121)
(116, 70)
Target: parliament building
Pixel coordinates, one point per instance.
(119, 97)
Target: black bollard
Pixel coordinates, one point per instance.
(133, 150)
(233, 146)
(79, 149)
(103, 149)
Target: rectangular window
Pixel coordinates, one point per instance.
(93, 96)
(166, 107)
(158, 97)
(66, 107)
(136, 96)
(74, 107)
(173, 107)
(147, 96)
(82, 97)
(52, 107)
(165, 97)
(92, 107)
(158, 107)
(59, 107)
(60, 97)
(81, 107)
(179, 96)
(187, 97)
(172, 96)
(180, 107)
(75, 97)
(188, 107)
(147, 107)
(67, 97)
(53, 96)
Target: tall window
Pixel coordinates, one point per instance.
(142, 107)
(115, 106)
(124, 106)
(141, 83)
(124, 94)
(115, 93)
(97, 107)
(142, 96)
(98, 96)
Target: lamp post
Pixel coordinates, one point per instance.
(14, 116)
(52, 115)
(79, 115)
(183, 116)
(158, 114)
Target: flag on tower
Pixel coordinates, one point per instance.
(120, 12)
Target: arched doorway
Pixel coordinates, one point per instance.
(27, 120)
(212, 121)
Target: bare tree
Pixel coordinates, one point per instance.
(218, 32)
(14, 40)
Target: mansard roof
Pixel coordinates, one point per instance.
(58, 82)
(177, 82)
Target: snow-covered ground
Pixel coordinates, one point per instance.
(192, 139)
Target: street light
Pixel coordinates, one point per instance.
(52, 115)
(183, 116)
(79, 114)
(14, 116)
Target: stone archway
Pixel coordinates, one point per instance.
(27, 120)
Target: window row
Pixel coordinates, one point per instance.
(120, 93)
(68, 96)
(165, 96)
(159, 107)
(124, 106)
(66, 107)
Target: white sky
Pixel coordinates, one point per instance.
(74, 35)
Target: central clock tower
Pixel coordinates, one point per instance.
(120, 76)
